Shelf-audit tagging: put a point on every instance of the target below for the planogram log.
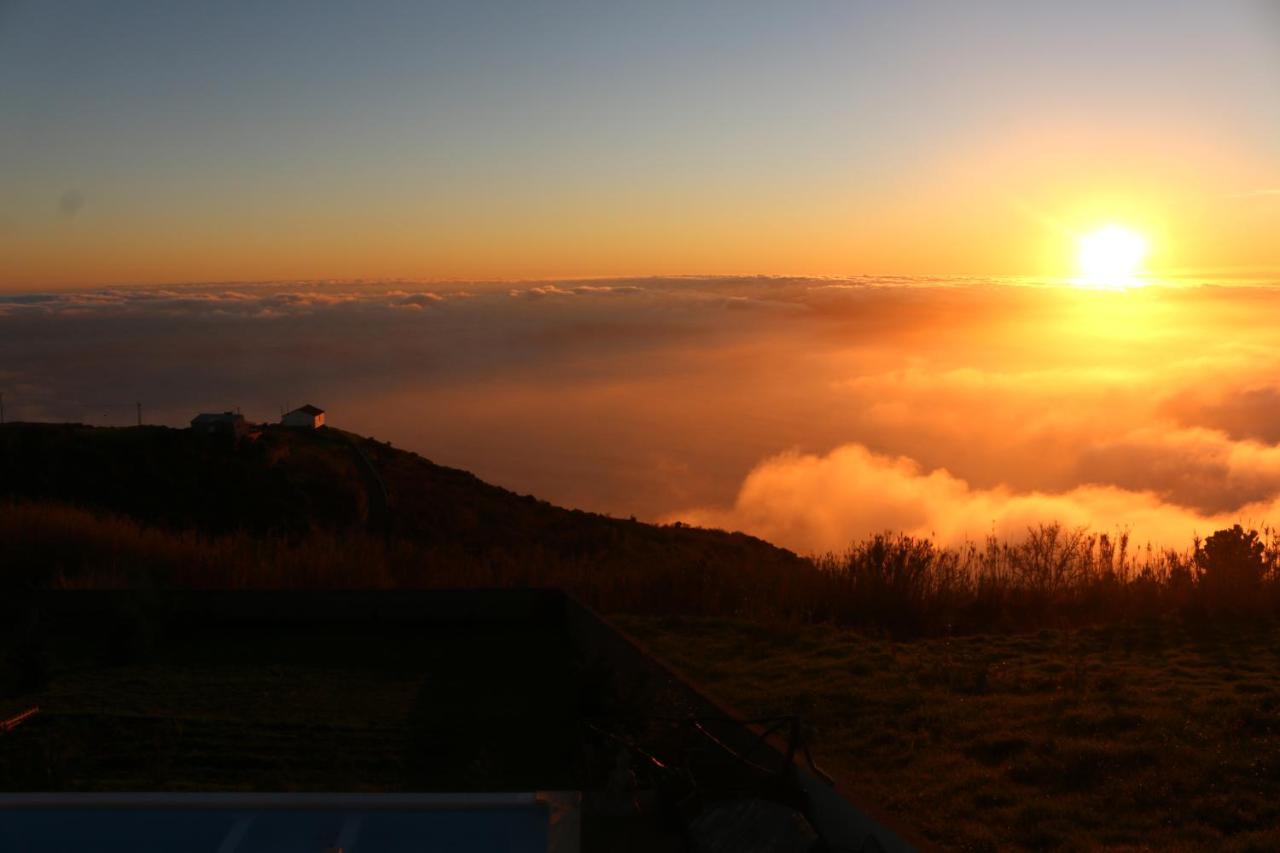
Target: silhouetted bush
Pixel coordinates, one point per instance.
(1231, 567)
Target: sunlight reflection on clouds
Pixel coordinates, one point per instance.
(831, 409)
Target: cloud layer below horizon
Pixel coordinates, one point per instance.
(811, 412)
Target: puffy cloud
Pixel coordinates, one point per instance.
(1200, 468)
(607, 289)
(420, 300)
(597, 289)
(542, 291)
(1241, 413)
(261, 301)
(823, 503)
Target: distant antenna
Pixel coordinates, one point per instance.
(139, 405)
(1, 407)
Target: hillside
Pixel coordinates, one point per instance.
(176, 479)
(150, 506)
(291, 487)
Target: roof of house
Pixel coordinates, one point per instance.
(216, 417)
(307, 410)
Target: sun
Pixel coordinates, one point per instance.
(1111, 257)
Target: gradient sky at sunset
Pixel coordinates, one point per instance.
(175, 142)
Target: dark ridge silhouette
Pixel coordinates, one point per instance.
(289, 508)
(327, 501)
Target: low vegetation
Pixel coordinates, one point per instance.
(898, 585)
(1142, 735)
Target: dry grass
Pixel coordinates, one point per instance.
(895, 584)
(1130, 736)
(1054, 576)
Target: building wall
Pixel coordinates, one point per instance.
(301, 419)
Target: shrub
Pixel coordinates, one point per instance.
(1231, 566)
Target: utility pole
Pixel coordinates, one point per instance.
(139, 405)
(1, 407)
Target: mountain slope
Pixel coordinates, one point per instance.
(291, 484)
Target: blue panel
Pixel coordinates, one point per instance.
(462, 831)
(111, 830)
(288, 831)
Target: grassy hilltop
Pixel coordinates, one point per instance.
(152, 505)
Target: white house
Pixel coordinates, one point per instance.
(308, 417)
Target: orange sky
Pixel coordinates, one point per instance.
(187, 145)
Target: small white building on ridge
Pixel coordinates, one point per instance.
(307, 417)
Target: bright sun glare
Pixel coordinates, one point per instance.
(1111, 257)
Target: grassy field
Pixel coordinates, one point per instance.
(1131, 736)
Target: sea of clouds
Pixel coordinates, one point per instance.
(807, 411)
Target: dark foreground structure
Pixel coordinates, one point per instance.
(362, 722)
